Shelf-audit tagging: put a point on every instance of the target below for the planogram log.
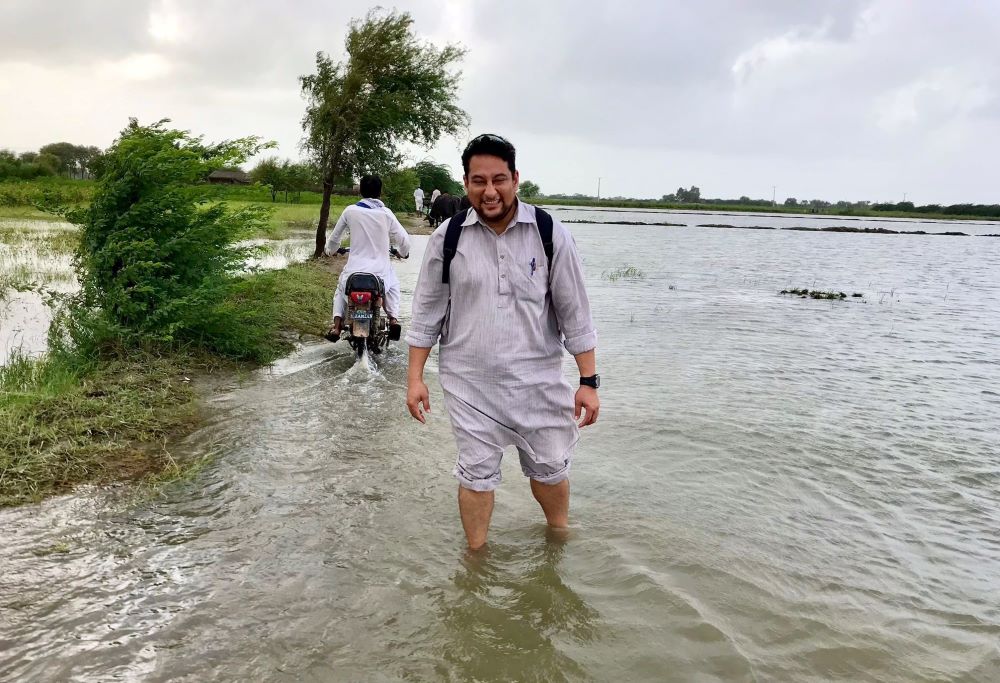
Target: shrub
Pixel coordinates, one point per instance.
(155, 263)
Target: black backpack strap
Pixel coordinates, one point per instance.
(544, 221)
(451, 235)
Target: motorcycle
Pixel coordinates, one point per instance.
(365, 323)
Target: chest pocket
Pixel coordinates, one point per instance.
(533, 281)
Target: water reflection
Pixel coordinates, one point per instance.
(512, 612)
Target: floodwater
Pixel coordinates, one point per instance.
(779, 489)
(35, 263)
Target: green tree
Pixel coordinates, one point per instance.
(528, 189)
(692, 195)
(437, 177)
(65, 152)
(299, 176)
(154, 263)
(397, 188)
(49, 162)
(269, 172)
(791, 201)
(393, 88)
(75, 161)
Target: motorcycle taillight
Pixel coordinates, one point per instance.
(361, 298)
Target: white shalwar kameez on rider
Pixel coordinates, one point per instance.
(372, 225)
(504, 324)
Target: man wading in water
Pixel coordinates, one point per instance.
(504, 305)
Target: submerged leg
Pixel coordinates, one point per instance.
(554, 499)
(476, 509)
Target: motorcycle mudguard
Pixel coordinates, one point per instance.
(359, 328)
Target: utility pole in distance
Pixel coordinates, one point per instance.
(598, 188)
(774, 191)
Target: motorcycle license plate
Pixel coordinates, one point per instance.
(361, 315)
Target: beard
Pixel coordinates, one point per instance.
(497, 212)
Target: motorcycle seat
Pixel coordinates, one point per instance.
(365, 282)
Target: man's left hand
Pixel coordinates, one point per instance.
(587, 404)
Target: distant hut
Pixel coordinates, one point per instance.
(236, 177)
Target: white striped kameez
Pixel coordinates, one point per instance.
(503, 324)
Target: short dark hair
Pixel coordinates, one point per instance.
(371, 187)
(492, 144)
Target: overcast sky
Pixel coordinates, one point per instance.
(833, 99)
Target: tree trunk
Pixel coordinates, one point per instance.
(324, 217)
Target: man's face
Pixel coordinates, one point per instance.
(491, 187)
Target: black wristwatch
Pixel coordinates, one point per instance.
(592, 381)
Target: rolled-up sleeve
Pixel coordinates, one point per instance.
(430, 298)
(569, 294)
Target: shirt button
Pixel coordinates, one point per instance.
(501, 255)
(502, 277)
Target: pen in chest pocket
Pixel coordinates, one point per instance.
(532, 266)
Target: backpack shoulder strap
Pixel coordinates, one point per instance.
(544, 221)
(451, 235)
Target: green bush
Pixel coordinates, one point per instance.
(154, 263)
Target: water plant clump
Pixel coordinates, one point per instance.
(816, 294)
(625, 272)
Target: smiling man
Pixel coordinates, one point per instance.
(501, 287)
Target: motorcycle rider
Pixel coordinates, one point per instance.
(372, 225)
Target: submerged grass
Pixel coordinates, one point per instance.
(625, 272)
(66, 420)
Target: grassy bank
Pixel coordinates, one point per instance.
(65, 420)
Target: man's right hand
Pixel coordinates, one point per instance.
(417, 399)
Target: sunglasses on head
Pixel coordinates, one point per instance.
(488, 136)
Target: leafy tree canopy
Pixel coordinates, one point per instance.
(392, 89)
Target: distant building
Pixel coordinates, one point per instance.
(228, 178)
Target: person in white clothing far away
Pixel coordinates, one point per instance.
(418, 199)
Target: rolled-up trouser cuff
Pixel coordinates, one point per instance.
(546, 473)
(467, 481)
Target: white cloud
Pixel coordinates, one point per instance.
(166, 23)
(142, 67)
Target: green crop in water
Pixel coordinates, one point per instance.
(623, 273)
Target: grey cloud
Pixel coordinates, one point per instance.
(67, 32)
(823, 84)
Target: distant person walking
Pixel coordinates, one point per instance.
(504, 307)
(418, 199)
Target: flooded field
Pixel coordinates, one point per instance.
(780, 489)
(36, 259)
